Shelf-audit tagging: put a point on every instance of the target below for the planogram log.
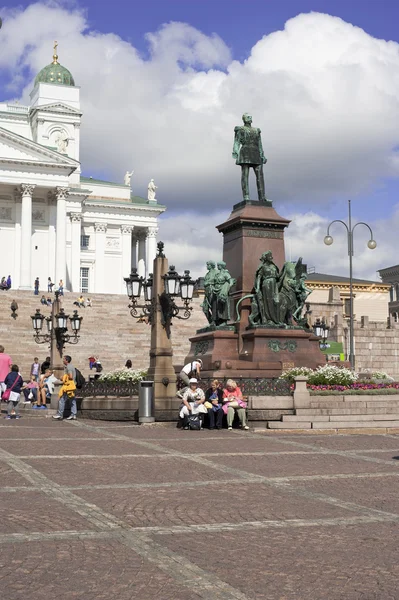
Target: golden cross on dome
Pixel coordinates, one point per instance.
(55, 55)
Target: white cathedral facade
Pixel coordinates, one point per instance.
(54, 222)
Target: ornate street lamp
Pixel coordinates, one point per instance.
(175, 286)
(321, 330)
(57, 326)
(372, 244)
(172, 282)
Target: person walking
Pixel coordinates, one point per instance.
(50, 285)
(37, 286)
(13, 383)
(5, 366)
(67, 390)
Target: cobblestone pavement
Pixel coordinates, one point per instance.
(113, 511)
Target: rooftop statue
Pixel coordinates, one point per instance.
(151, 190)
(279, 297)
(128, 177)
(217, 285)
(248, 152)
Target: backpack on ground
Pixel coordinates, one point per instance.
(194, 422)
(80, 380)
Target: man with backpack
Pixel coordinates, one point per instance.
(72, 380)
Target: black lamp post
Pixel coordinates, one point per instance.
(175, 286)
(372, 244)
(321, 330)
(57, 326)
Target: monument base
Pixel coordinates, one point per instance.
(265, 353)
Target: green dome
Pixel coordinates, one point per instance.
(55, 73)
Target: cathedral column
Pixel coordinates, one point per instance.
(152, 248)
(99, 268)
(17, 241)
(60, 250)
(25, 282)
(126, 231)
(75, 251)
(142, 236)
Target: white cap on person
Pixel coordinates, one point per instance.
(193, 380)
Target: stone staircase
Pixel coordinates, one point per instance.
(108, 331)
(344, 413)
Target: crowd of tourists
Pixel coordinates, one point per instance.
(50, 286)
(209, 407)
(38, 389)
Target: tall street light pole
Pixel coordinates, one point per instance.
(372, 244)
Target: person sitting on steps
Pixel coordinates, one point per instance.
(233, 403)
(193, 402)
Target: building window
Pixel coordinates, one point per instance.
(347, 307)
(84, 280)
(84, 242)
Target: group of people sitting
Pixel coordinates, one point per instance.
(82, 303)
(5, 283)
(215, 403)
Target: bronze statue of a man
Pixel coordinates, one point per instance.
(248, 152)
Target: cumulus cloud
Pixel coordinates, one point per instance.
(324, 93)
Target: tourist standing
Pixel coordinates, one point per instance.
(5, 366)
(37, 286)
(67, 390)
(35, 368)
(45, 365)
(13, 383)
(61, 287)
(50, 285)
(9, 282)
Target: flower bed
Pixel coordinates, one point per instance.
(331, 380)
(123, 376)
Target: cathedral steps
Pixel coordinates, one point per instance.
(108, 331)
(360, 412)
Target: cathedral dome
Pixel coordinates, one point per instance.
(55, 73)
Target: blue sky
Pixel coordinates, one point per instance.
(369, 178)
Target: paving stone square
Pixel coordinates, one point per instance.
(30, 510)
(213, 504)
(87, 569)
(75, 447)
(227, 442)
(102, 470)
(334, 563)
(113, 511)
(380, 493)
(304, 464)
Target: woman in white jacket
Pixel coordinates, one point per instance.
(193, 401)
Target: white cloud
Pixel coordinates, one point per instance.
(325, 94)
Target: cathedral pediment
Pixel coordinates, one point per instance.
(59, 108)
(17, 149)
